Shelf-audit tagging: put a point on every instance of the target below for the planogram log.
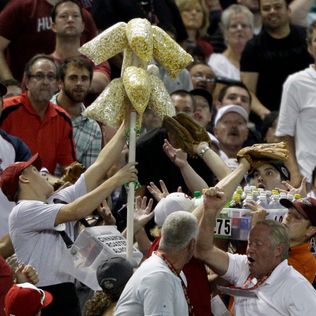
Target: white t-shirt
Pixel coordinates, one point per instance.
(285, 292)
(153, 290)
(34, 235)
(7, 157)
(297, 117)
(223, 67)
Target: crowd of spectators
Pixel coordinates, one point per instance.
(252, 80)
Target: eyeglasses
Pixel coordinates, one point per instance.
(201, 77)
(40, 76)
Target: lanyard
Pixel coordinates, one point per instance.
(174, 271)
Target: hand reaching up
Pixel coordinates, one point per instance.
(176, 155)
(157, 193)
(142, 213)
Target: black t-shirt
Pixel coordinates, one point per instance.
(108, 12)
(274, 60)
(154, 165)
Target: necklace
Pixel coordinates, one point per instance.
(174, 271)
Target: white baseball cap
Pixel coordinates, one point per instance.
(176, 201)
(231, 108)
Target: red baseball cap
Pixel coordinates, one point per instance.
(25, 299)
(9, 179)
(306, 207)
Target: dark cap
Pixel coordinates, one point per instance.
(205, 94)
(3, 89)
(9, 179)
(113, 275)
(306, 207)
(279, 166)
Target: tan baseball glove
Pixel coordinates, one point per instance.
(258, 153)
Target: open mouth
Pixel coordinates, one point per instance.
(233, 133)
(251, 260)
(261, 185)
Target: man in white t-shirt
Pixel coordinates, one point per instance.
(158, 287)
(36, 221)
(262, 281)
(11, 149)
(297, 117)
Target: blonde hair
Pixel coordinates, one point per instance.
(236, 9)
(185, 4)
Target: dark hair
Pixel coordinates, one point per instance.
(184, 93)
(287, 2)
(309, 32)
(239, 84)
(268, 122)
(78, 62)
(34, 59)
(54, 10)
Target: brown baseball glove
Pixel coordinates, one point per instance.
(198, 133)
(181, 138)
(258, 153)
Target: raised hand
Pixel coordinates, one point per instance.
(126, 174)
(257, 212)
(293, 190)
(105, 212)
(176, 155)
(143, 212)
(26, 273)
(214, 199)
(157, 193)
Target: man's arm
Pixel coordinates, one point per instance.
(299, 11)
(216, 259)
(250, 79)
(107, 157)
(291, 162)
(99, 82)
(84, 205)
(6, 246)
(5, 72)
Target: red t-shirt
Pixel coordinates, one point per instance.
(198, 287)
(5, 282)
(51, 137)
(27, 24)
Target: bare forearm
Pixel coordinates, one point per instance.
(299, 11)
(99, 82)
(85, 205)
(193, 181)
(232, 180)
(143, 241)
(215, 258)
(107, 157)
(5, 72)
(257, 107)
(291, 162)
(216, 164)
(6, 247)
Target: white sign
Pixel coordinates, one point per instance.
(223, 227)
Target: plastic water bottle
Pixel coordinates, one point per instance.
(274, 202)
(248, 198)
(262, 201)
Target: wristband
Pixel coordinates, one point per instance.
(203, 151)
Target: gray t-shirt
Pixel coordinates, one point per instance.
(35, 237)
